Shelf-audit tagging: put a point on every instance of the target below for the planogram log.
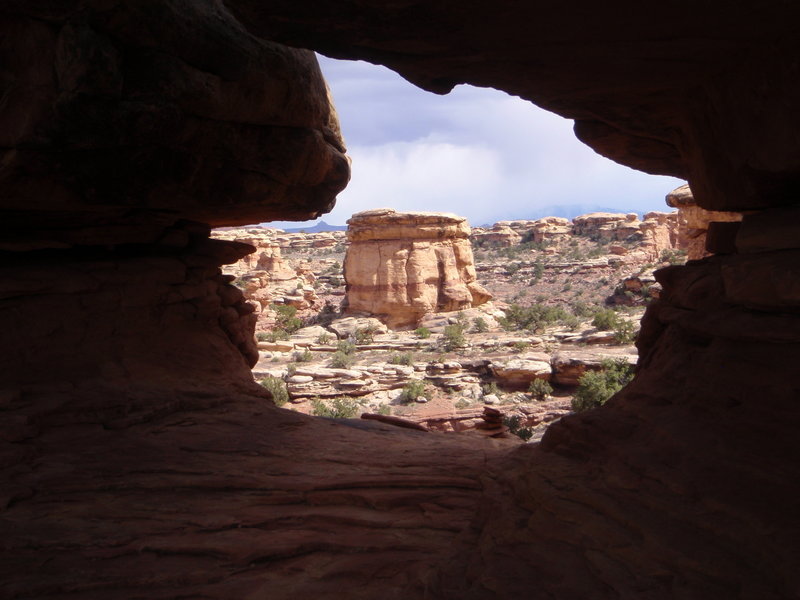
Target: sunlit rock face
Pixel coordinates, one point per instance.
(139, 459)
(695, 221)
(402, 266)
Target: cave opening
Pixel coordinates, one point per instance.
(559, 237)
(138, 457)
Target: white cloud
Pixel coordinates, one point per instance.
(476, 152)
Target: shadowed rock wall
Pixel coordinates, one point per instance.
(139, 459)
(696, 91)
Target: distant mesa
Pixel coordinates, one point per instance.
(402, 266)
(320, 227)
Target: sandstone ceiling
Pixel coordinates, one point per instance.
(697, 90)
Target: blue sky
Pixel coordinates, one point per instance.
(477, 152)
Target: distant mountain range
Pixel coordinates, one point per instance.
(321, 226)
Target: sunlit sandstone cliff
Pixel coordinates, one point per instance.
(401, 266)
(139, 459)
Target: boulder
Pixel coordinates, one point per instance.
(519, 372)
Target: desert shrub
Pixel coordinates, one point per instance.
(490, 388)
(422, 333)
(323, 338)
(540, 389)
(285, 318)
(339, 408)
(479, 325)
(538, 270)
(462, 403)
(277, 389)
(365, 335)
(275, 335)
(533, 318)
(605, 319)
(673, 257)
(453, 337)
(625, 332)
(520, 346)
(514, 426)
(342, 360)
(581, 309)
(291, 370)
(403, 358)
(596, 387)
(262, 336)
(346, 347)
(384, 409)
(570, 322)
(412, 390)
(304, 356)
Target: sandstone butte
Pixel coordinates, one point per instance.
(139, 458)
(402, 266)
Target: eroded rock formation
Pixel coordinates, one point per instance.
(695, 221)
(138, 458)
(402, 266)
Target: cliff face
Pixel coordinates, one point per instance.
(401, 266)
(139, 459)
(695, 221)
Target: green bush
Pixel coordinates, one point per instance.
(346, 347)
(605, 319)
(304, 356)
(277, 389)
(520, 347)
(262, 336)
(625, 332)
(490, 388)
(323, 338)
(340, 408)
(479, 325)
(404, 358)
(422, 333)
(453, 337)
(532, 318)
(540, 389)
(285, 318)
(342, 360)
(384, 409)
(581, 309)
(514, 427)
(596, 387)
(365, 335)
(413, 390)
(673, 257)
(570, 322)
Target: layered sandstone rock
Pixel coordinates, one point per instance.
(606, 226)
(498, 235)
(694, 221)
(402, 266)
(138, 460)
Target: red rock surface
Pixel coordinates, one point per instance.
(139, 459)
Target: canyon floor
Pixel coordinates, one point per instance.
(441, 375)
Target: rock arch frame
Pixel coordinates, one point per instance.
(137, 457)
